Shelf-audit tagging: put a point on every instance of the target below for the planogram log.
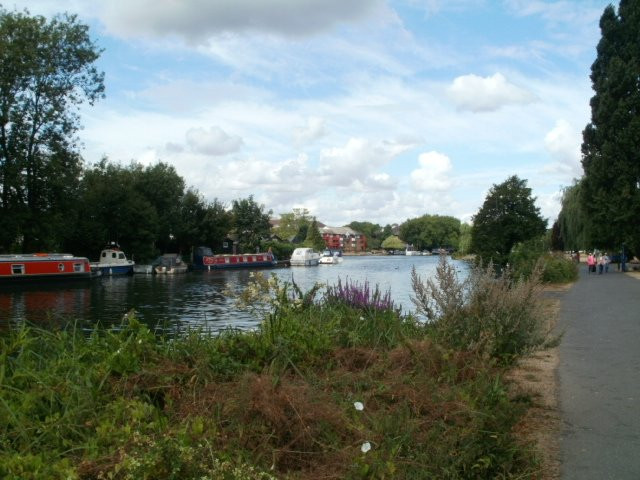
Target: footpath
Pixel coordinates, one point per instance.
(599, 377)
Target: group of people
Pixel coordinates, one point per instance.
(600, 262)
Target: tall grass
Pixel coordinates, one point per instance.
(492, 314)
(325, 388)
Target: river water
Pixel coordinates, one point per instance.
(196, 299)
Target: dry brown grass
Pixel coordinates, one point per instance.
(535, 376)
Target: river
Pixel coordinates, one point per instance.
(195, 299)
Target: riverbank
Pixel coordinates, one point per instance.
(343, 387)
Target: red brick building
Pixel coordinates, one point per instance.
(344, 238)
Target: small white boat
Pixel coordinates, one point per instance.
(329, 258)
(411, 252)
(304, 257)
(113, 261)
(170, 264)
(143, 269)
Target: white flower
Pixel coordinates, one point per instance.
(358, 406)
(362, 318)
(366, 446)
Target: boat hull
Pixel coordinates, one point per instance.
(110, 270)
(43, 267)
(223, 262)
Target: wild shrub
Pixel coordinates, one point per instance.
(494, 315)
(558, 269)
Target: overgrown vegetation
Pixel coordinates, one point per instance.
(335, 384)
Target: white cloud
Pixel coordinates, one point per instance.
(196, 20)
(563, 144)
(433, 173)
(213, 141)
(356, 161)
(313, 130)
(486, 94)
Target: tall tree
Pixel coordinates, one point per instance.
(611, 141)
(250, 222)
(372, 231)
(291, 224)
(314, 237)
(572, 218)
(507, 216)
(46, 72)
(431, 231)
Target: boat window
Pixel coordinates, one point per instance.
(121, 255)
(77, 267)
(226, 260)
(17, 269)
(61, 267)
(104, 254)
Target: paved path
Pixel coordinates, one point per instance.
(599, 374)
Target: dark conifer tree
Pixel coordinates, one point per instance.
(611, 142)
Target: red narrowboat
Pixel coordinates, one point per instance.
(204, 259)
(43, 266)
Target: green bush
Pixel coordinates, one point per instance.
(493, 315)
(557, 268)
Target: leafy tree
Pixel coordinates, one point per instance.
(46, 72)
(507, 216)
(393, 243)
(161, 185)
(111, 208)
(314, 238)
(250, 222)
(572, 219)
(294, 225)
(201, 223)
(372, 231)
(611, 141)
(431, 231)
(464, 242)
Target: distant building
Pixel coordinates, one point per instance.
(344, 238)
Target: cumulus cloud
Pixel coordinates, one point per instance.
(313, 130)
(196, 20)
(486, 94)
(213, 141)
(433, 173)
(356, 161)
(563, 144)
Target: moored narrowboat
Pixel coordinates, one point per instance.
(43, 266)
(204, 259)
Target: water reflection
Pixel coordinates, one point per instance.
(195, 299)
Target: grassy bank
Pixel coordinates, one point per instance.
(335, 384)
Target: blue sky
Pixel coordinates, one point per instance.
(368, 110)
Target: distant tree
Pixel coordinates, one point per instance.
(372, 231)
(393, 243)
(314, 237)
(464, 242)
(507, 216)
(250, 222)
(201, 223)
(611, 141)
(431, 231)
(46, 71)
(291, 224)
(572, 219)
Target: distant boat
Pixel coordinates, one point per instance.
(410, 251)
(204, 259)
(170, 264)
(43, 266)
(329, 258)
(113, 261)
(304, 257)
(144, 269)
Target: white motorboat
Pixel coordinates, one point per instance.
(304, 257)
(329, 258)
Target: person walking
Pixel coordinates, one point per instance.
(591, 263)
(600, 264)
(606, 261)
